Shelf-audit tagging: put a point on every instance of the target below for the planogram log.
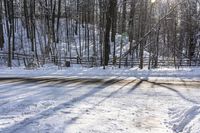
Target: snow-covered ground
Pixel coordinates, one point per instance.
(95, 72)
(92, 100)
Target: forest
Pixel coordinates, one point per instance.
(141, 33)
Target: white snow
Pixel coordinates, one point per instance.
(93, 100)
(186, 120)
(79, 71)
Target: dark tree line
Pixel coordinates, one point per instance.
(104, 32)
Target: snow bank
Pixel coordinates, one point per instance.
(50, 70)
(185, 120)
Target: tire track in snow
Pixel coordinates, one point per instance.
(182, 121)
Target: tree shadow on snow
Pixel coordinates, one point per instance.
(74, 119)
(23, 86)
(164, 85)
(49, 112)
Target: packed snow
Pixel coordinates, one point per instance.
(87, 100)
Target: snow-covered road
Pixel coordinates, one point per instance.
(114, 105)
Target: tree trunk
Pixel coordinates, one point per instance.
(1, 27)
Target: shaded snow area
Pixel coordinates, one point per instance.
(56, 101)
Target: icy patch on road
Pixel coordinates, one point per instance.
(185, 120)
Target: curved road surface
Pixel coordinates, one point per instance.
(72, 105)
